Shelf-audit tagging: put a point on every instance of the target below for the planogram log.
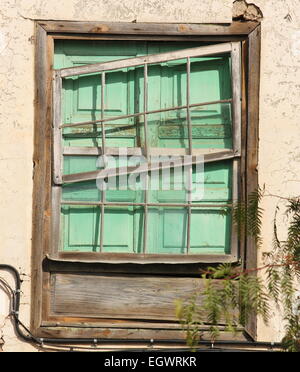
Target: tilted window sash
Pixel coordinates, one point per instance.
(209, 155)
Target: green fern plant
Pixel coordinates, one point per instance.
(232, 293)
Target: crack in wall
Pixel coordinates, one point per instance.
(2, 327)
(2, 342)
(1, 339)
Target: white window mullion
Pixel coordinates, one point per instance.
(57, 131)
(236, 96)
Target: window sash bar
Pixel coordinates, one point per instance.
(147, 157)
(57, 131)
(189, 210)
(146, 109)
(150, 59)
(236, 96)
(56, 218)
(138, 151)
(102, 112)
(128, 204)
(146, 213)
(104, 153)
(235, 197)
(70, 125)
(188, 113)
(146, 167)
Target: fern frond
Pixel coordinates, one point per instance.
(223, 271)
(247, 216)
(273, 283)
(291, 340)
(253, 297)
(287, 290)
(254, 215)
(239, 217)
(227, 290)
(212, 302)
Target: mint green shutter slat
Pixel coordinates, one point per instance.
(80, 228)
(167, 230)
(210, 232)
(120, 238)
(85, 191)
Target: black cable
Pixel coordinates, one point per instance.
(97, 342)
(16, 298)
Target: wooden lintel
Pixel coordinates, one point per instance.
(164, 29)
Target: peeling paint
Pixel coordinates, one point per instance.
(246, 12)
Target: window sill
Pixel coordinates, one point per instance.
(128, 258)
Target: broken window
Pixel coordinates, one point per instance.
(165, 128)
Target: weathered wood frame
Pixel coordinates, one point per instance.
(44, 324)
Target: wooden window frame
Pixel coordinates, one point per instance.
(43, 259)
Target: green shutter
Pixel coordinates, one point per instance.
(211, 128)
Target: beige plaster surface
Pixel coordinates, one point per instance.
(279, 154)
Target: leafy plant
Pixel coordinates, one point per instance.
(231, 293)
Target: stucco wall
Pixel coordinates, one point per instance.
(279, 133)
(279, 151)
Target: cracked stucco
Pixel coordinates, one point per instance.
(242, 10)
(129, 10)
(279, 150)
(279, 113)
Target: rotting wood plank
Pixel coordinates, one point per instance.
(47, 211)
(243, 178)
(132, 37)
(122, 297)
(155, 29)
(41, 161)
(252, 147)
(130, 258)
(131, 334)
(71, 322)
